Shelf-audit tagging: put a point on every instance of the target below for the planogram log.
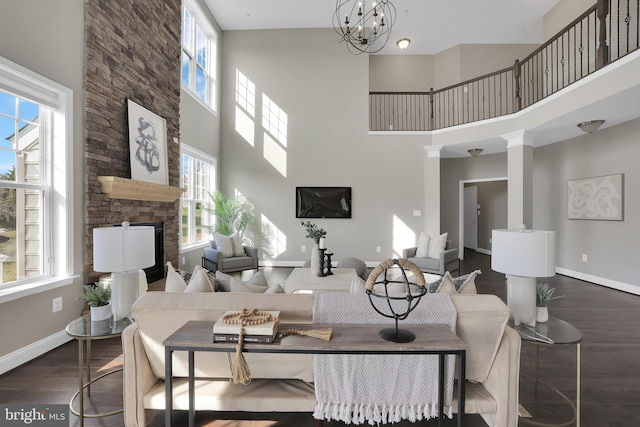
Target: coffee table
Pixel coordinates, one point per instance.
(302, 280)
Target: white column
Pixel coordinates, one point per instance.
(520, 174)
(432, 189)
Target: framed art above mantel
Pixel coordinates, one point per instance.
(147, 145)
(599, 197)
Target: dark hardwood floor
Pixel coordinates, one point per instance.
(609, 321)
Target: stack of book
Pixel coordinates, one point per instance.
(263, 333)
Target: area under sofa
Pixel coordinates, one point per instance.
(284, 383)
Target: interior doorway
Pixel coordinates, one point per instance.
(482, 207)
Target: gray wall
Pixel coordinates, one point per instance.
(323, 89)
(611, 246)
(54, 51)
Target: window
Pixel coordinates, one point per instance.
(198, 178)
(199, 54)
(36, 215)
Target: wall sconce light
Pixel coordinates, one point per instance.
(475, 152)
(590, 126)
(403, 43)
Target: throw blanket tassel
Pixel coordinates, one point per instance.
(240, 373)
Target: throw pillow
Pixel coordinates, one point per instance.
(358, 285)
(258, 279)
(224, 281)
(174, 281)
(199, 281)
(438, 245)
(466, 284)
(276, 288)
(229, 246)
(424, 241)
(447, 286)
(240, 286)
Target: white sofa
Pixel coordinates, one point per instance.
(285, 382)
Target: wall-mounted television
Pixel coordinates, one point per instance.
(323, 202)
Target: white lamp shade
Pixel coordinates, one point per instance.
(529, 253)
(119, 249)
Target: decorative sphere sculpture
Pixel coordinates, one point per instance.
(394, 302)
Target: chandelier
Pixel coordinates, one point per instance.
(364, 28)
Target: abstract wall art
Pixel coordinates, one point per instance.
(599, 197)
(147, 145)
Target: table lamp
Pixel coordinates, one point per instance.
(523, 255)
(122, 251)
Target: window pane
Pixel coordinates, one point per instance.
(201, 47)
(199, 214)
(28, 110)
(186, 28)
(186, 69)
(185, 222)
(7, 104)
(20, 234)
(201, 84)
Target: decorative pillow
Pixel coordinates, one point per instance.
(229, 246)
(466, 284)
(358, 285)
(424, 241)
(438, 245)
(258, 279)
(199, 281)
(276, 288)
(224, 282)
(174, 282)
(240, 286)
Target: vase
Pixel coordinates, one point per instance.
(102, 312)
(542, 314)
(315, 260)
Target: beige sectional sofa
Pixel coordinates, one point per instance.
(285, 382)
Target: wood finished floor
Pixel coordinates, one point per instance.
(609, 321)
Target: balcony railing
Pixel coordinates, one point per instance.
(604, 33)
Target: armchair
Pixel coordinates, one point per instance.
(448, 261)
(212, 259)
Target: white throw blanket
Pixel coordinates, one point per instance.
(356, 389)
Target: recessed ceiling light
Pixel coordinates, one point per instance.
(404, 43)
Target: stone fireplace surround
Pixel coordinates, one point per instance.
(132, 51)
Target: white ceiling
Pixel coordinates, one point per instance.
(424, 22)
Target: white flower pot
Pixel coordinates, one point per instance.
(542, 314)
(100, 313)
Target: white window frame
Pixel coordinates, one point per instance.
(188, 198)
(57, 217)
(199, 18)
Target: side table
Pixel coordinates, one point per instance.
(85, 331)
(554, 332)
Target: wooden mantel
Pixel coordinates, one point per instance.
(130, 189)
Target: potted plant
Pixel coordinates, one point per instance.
(98, 298)
(232, 214)
(316, 233)
(544, 294)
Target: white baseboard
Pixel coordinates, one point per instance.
(620, 286)
(483, 251)
(25, 354)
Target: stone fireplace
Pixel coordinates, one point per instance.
(126, 60)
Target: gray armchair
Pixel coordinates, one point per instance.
(448, 261)
(212, 260)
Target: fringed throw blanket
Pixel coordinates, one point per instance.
(356, 389)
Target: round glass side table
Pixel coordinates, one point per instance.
(554, 332)
(85, 331)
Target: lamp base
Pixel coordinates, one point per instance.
(521, 299)
(124, 292)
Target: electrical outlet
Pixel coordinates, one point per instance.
(57, 304)
(417, 213)
(184, 260)
(585, 258)
(379, 249)
(303, 248)
(490, 240)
